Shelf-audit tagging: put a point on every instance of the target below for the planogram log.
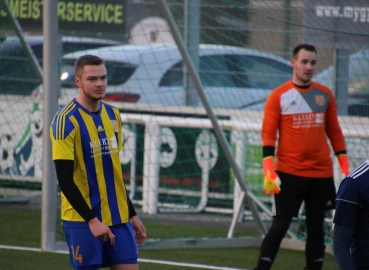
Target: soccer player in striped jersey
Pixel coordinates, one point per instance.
(303, 113)
(99, 220)
(351, 219)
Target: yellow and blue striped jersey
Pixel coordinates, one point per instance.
(93, 142)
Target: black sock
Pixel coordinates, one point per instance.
(272, 240)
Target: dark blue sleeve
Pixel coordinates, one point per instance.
(347, 203)
(343, 239)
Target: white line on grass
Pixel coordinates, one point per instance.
(188, 264)
(139, 259)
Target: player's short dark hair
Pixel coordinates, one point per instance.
(86, 60)
(307, 47)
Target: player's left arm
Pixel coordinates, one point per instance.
(139, 229)
(335, 135)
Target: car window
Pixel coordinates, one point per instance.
(118, 73)
(69, 47)
(216, 70)
(233, 70)
(263, 72)
(359, 78)
(17, 75)
(173, 76)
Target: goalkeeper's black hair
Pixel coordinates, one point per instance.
(307, 47)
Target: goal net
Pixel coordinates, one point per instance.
(176, 169)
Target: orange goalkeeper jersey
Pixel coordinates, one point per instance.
(303, 119)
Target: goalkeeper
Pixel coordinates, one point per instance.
(304, 115)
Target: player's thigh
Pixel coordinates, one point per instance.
(124, 267)
(320, 197)
(124, 251)
(84, 249)
(288, 201)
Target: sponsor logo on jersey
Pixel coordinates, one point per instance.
(100, 128)
(114, 124)
(307, 120)
(319, 118)
(99, 143)
(319, 99)
(113, 142)
(105, 146)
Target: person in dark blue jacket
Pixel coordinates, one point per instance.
(351, 219)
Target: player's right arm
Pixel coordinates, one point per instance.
(271, 179)
(270, 126)
(63, 132)
(64, 171)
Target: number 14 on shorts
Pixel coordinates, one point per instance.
(76, 255)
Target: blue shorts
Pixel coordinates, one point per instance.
(89, 253)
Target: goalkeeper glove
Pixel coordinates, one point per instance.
(271, 179)
(344, 163)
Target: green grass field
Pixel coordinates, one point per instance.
(23, 228)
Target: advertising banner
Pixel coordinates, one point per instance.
(342, 24)
(101, 18)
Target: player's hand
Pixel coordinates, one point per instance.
(139, 229)
(344, 163)
(101, 231)
(271, 180)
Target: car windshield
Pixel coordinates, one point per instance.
(118, 73)
(232, 70)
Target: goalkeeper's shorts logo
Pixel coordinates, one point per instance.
(329, 203)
